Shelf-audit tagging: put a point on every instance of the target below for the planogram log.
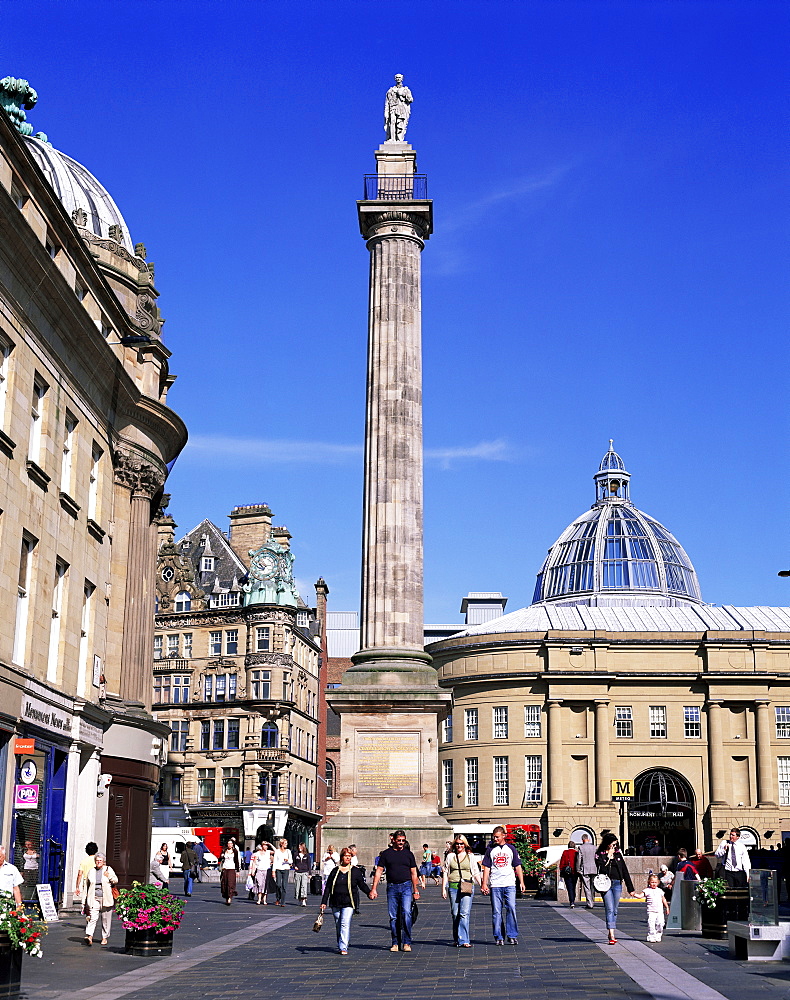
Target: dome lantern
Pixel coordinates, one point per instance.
(611, 479)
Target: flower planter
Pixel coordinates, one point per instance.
(733, 905)
(147, 944)
(10, 967)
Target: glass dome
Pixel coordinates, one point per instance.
(615, 555)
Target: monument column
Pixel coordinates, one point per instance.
(389, 700)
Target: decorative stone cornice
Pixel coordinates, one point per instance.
(219, 616)
(137, 473)
(80, 220)
(269, 659)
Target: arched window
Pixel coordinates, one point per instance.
(183, 601)
(330, 780)
(269, 735)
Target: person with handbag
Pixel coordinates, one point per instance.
(460, 874)
(230, 863)
(281, 866)
(100, 895)
(260, 866)
(612, 872)
(400, 867)
(568, 873)
(341, 895)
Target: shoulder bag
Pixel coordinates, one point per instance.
(602, 883)
(465, 885)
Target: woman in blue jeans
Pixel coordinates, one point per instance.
(460, 865)
(341, 895)
(610, 861)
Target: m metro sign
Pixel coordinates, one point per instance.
(622, 789)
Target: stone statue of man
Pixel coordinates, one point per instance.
(397, 110)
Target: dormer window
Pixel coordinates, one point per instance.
(207, 564)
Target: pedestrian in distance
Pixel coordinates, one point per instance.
(260, 864)
(735, 859)
(460, 874)
(10, 877)
(665, 880)
(281, 865)
(611, 864)
(567, 869)
(586, 869)
(158, 873)
(657, 908)
(341, 895)
(328, 863)
(189, 866)
(301, 867)
(85, 865)
(425, 866)
(230, 864)
(501, 868)
(400, 867)
(99, 900)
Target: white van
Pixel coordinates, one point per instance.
(176, 837)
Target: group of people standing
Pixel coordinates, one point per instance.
(269, 868)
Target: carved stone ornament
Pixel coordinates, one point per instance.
(269, 659)
(139, 475)
(278, 617)
(417, 220)
(117, 248)
(146, 314)
(79, 217)
(220, 616)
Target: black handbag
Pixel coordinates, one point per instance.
(415, 912)
(566, 871)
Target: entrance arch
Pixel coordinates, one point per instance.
(662, 816)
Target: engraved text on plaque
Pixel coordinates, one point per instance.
(387, 763)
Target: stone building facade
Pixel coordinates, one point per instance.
(85, 440)
(238, 677)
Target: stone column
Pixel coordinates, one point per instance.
(715, 755)
(556, 797)
(603, 774)
(765, 773)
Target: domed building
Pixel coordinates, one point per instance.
(86, 438)
(618, 675)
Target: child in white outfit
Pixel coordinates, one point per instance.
(657, 906)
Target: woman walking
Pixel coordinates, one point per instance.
(567, 870)
(610, 862)
(301, 866)
(460, 874)
(260, 865)
(281, 865)
(230, 863)
(99, 901)
(341, 895)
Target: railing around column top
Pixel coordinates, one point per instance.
(396, 187)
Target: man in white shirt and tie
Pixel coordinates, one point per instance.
(735, 859)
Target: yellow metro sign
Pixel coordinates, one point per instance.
(622, 789)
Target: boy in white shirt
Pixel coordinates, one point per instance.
(657, 907)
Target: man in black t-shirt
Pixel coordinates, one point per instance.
(400, 866)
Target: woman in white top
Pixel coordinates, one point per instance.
(281, 865)
(99, 901)
(260, 864)
(230, 863)
(329, 862)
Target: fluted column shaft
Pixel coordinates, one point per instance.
(716, 755)
(602, 765)
(765, 772)
(556, 794)
(138, 626)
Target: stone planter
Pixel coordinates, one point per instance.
(10, 968)
(148, 944)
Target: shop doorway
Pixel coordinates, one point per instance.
(661, 817)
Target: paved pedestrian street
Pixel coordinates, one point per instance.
(231, 953)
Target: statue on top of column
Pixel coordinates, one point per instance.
(397, 110)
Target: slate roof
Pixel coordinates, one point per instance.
(206, 539)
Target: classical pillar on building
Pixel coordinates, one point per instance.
(556, 796)
(715, 754)
(144, 480)
(389, 700)
(603, 785)
(766, 796)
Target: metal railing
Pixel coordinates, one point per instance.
(396, 187)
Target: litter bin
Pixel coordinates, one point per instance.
(690, 910)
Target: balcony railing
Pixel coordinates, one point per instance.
(396, 187)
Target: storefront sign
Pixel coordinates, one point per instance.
(26, 796)
(24, 746)
(47, 903)
(86, 732)
(38, 713)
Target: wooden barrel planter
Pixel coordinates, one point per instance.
(733, 905)
(148, 944)
(10, 968)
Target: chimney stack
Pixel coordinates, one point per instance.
(250, 527)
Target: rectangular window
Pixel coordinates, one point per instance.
(623, 722)
(231, 783)
(533, 775)
(158, 647)
(447, 729)
(215, 644)
(18, 194)
(36, 419)
(85, 636)
(180, 690)
(5, 355)
(447, 784)
(172, 646)
(206, 784)
(692, 722)
(178, 738)
(262, 639)
(261, 686)
(231, 687)
(207, 564)
(532, 721)
(471, 781)
(783, 722)
(500, 724)
(205, 735)
(218, 742)
(219, 688)
(286, 688)
(233, 734)
(187, 643)
(470, 724)
(784, 780)
(208, 687)
(57, 615)
(501, 781)
(80, 291)
(51, 246)
(658, 722)
(232, 642)
(23, 597)
(93, 483)
(175, 789)
(67, 459)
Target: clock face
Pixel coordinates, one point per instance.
(28, 772)
(168, 573)
(268, 566)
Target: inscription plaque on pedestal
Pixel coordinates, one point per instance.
(387, 764)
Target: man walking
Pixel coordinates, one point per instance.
(400, 866)
(501, 868)
(587, 869)
(735, 858)
(189, 866)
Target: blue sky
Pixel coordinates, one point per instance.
(609, 260)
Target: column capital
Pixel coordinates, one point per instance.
(404, 223)
(602, 701)
(142, 474)
(714, 703)
(763, 702)
(553, 701)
